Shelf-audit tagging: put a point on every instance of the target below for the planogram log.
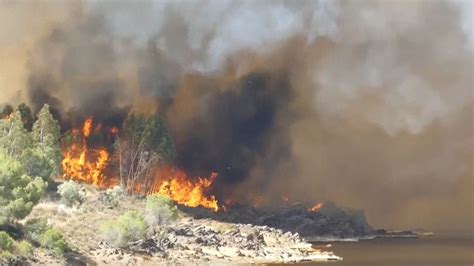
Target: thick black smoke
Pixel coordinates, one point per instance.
(234, 127)
(368, 104)
(74, 71)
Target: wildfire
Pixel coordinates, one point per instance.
(176, 185)
(316, 207)
(87, 127)
(8, 117)
(88, 165)
(82, 163)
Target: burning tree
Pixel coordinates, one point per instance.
(143, 153)
(27, 115)
(142, 145)
(81, 162)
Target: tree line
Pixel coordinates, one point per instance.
(30, 155)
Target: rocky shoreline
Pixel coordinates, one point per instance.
(202, 241)
(330, 223)
(242, 234)
(188, 240)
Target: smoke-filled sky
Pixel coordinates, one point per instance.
(365, 103)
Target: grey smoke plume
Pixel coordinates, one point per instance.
(368, 104)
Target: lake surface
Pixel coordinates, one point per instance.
(430, 251)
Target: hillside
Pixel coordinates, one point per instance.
(184, 240)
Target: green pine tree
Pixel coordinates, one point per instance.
(46, 133)
(19, 192)
(14, 138)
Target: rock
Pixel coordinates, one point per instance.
(271, 239)
(197, 242)
(230, 251)
(212, 251)
(183, 231)
(329, 222)
(248, 253)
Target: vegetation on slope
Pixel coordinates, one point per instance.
(30, 160)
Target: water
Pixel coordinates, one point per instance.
(431, 251)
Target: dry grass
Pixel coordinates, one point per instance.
(80, 225)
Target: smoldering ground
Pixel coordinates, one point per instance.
(368, 104)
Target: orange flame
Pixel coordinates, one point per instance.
(114, 131)
(176, 185)
(257, 201)
(83, 164)
(8, 117)
(317, 207)
(87, 165)
(87, 127)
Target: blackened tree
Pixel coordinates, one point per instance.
(26, 116)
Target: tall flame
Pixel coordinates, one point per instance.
(87, 165)
(87, 127)
(82, 163)
(176, 185)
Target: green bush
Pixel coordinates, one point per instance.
(9, 249)
(18, 191)
(53, 240)
(24, 249)
(40, 232)
(112, 196)
(71, 193)
(6, 242)
(34, 228)
(129, 227)
(160, 210)
(7, 256)
(36, 163)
